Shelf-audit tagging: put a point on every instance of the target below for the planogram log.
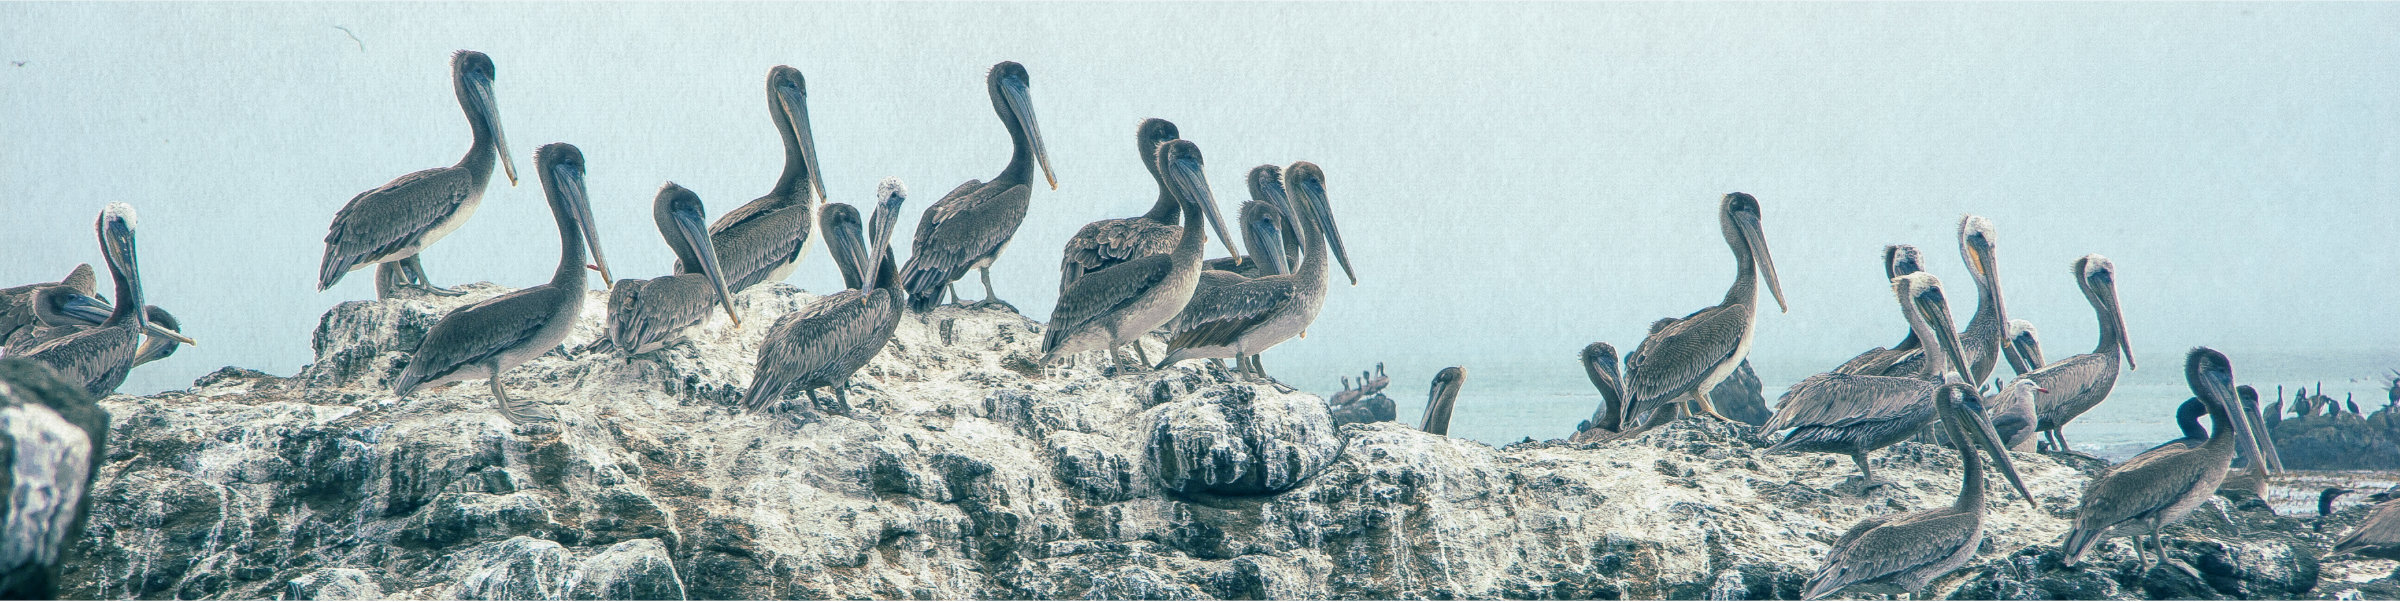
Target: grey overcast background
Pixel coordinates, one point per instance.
(1514, 180)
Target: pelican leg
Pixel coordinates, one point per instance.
(954, 300)
(990, 299)
(1866, 475)
(841, 397)
(387, 280)
(416, 276)
(515, 413)
(1141, 353)
(1710, 408)
(2060, 434)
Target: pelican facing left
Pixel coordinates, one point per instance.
(388, 226)
(486, 339)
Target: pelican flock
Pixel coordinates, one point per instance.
(1127, 280)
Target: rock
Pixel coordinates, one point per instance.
(333, 584)
(639, 569)
(2343, 442)
(1362, 409)
(1241, 442)
(53, 438)
(1742, 397)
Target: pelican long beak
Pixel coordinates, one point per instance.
(886, 218)
(1268, 251)
(794, 103)
(2116, 314)
(695, 230)
(1979, 427)
(1216, 221)
(1757, 239)
(489, 105)
(84, 308)
(1935, 310)
(579, 204)
(1184, 178)
(1020, 108)
(156, 330)
(1312, 199)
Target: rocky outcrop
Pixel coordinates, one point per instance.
(1742, 396)
(2344, 442)
(963, 469)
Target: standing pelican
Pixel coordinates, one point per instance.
(1898, 260)
(1113, 241)
(2078, 383)
(1685, 359)
(1983, 341)
(1856, 413)
(2162, 485)
(1120, 303)
(98, 358)
(1442, 399)
(57, 438)
(387, 226)
(968, 227)
(1900, 553)
(1263, 226)
(2013, 415)
(763, 240)
(823, 344)
(1248, 317)
(644, 315)
(2258, 427)
(2028, 346)
(486, 339)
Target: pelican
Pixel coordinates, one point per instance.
(1246, 318)
(2013, 415)
(387, 226)
(823, 344)
(2078, 383)
(1983, 342)
(99, 357)
(2325, 499)
(2028, 347)
(1266, 191)
(2258, 427)
(1120, 303)
(763, 240)
(1898, 260)
(1442, 399)
(1855, 413)
(61, 311)
(644, 315)
(2160, 486)
(486, 339)
(1113, 241)
(1262, 228)
(1685, 359)
(2376, 537)
(1609, 422)
(57, 438)
(968, 227)
(2273, 414)
(166, 336)
(18, 311)
(1900, 553)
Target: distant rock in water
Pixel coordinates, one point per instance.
(1741, 397)
(1356, 409)
(2341, 442)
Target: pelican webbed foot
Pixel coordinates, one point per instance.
(516, 413)
(413, 276)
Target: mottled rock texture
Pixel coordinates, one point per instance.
(963, 470)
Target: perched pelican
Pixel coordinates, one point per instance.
(99, 357)
(1983, 341)
(2012, 413)
(387, 226)
(61, 311)
(17, 309)
(2162, 485)
(2258, 426)
(1609, 423)
(2273, 414)
(1442, 399)
(1900, 553)
(1856, 413)
(2028, 344)
(968, 227)
(1120, 303)
(1248, 317)
(1685, 359)
(2078, 383)
(57, 438)
(2376, 537)
(1898, 260)
(644, 315)
(1267, 202)
(823, 344)
(1113, 241)
(486, 339)
(763, 240)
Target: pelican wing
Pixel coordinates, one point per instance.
(1836, 400)
(387, 219)
(1109, 242)
(820, 344)
(2146, 484)
(1103, 293)
(2067, 379)
(2381, 529)
(971, 222)
(641, 312)
(755, 239)
(476, 334)
(1218, 316)
(1677, 354)
(1883, 546)
(96, 358)
(1861, 361)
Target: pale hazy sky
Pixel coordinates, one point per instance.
(1514, 180)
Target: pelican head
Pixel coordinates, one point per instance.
(561, 169)
(1901, 260)
(1266, 184)
(1305, 182)
(839, 222)
(1976, 239)
(1928, 312)
(2027, 345)
(2097, 276)
(61, 305)
(787, 102)
(681, 212)
(474, 73)
(1180, 165)
(115, 227)
(1443, 399)
(1965, 413)
(161, 325)
(1600, 364)
(1008, 81)
(1740, 216)
(1148, 136)
(1263, 226)
(889, 194)
(2210, 375)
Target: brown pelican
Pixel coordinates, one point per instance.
(2078, 383)
(2273, 414)
(1856, 413)
(1898, 260)
(387, 226)
(644, 315)
(57, 438)
(823, 344)
(968, 227)
(1983, 340)
(1900, 553)
(486, 339)
(2013, 415)
(1120, 303)
(99, 357)
(1113, 241)
(1262, 228)
(165, 336)
(1248, 317)
(1685, 359)
(1442, 399)
(2162, 485)
(61, 311)
(19, 313)
(763, 240)
(2258, 426)
(1609, 423)
(1267, 202)
(2027, 356)
(2376, 537)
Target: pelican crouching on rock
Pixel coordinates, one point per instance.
(1442, 399)
(823, 344)
(968, 227)
(486, 339)
(1686, 358)
(1120, 303)
(60, 311)
(1610, 423)
(1900, 553)
(387, 227)
(1855, 413)
(2079, 383)
(1245, 318)
(2162, 485)
(764, 239)
(644, 315)
(98, 358)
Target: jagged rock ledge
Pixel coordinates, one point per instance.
(964, 471)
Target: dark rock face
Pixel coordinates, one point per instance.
(2344, 442)
(1742, 397)
(1362, 409)
(1240, 444)
(53, 438)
